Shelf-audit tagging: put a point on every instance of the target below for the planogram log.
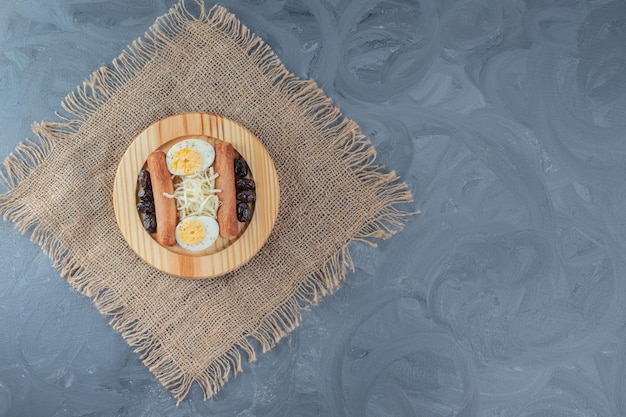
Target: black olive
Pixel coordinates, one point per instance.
(244, 184)
(149, 223)
(246, 196)
(241, 167)
(243, 212)
(145, 207)
(145, 194)
(144, 179)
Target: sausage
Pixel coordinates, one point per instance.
(165, 208)
(225, 181)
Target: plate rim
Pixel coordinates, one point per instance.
(221, 262)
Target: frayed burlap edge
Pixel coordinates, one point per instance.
(355, 150)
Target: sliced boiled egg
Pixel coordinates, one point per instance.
(189, 156)
(196, 233)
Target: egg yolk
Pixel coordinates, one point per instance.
(191, 232)
(186, 161)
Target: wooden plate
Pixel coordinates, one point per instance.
(225, 255)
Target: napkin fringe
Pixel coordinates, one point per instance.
(20, 163)
(355, 150)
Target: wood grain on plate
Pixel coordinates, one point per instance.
(225, 255)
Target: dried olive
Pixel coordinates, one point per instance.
(144, 179)
(149, 223)
(241, 167)
(145, 207)
(246, 196)
(145, 194)
(243, 212)
(244, 184)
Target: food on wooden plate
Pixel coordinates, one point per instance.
(241, 167)
(145, 194)
(165, 208)
(196, 194)
(146, 207)
(227, 212)
(190, 156)
(149, 222)
(246, 196)
(243, 212)
(242, 184)
(146, 201)
(144, 179)
(196, 233)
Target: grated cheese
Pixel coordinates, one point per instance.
(195, 194)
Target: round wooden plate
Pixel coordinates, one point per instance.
(225, 255)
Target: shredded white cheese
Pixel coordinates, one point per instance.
(195, 194)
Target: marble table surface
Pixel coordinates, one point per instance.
(505, 297)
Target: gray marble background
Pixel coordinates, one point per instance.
(505, 297)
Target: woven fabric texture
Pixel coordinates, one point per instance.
(59, 190)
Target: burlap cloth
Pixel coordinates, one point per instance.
(60, 191)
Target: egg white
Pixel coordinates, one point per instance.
(211, 232)
(204, 148)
